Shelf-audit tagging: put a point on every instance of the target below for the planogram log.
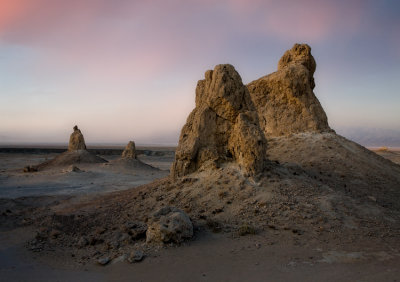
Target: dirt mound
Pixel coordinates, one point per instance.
(341, 165)
(222, 128)
(130, 164)
(285, 100)
(71, 157)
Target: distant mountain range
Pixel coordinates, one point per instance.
(371, 137)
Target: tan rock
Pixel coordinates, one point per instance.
(76, 154)
(76, 140)
(169, 224)
(285, 100)
(130, 151)
(223, 127)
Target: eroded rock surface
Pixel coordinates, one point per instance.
(223, 127)
(129, 151)
(285, 100)
(76, 140)
(169, 224)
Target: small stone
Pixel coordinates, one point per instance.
(30, 169)
(74, 168)
(55, 233)
(136, 229)
(103, 261)
(121, 258)
(82, 242)
(135, 256)
(100, 230)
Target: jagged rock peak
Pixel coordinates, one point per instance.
(285, 101)
(299, 54)
(129, 151)
(223, 127)
(76, 140)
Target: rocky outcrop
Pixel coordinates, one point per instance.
(222, 128)
(169, 224)
(76, 140)
(285, 100)
(76, 154)
(130, 151)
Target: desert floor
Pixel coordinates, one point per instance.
(271, 255)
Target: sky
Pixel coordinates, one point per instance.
(127, 70)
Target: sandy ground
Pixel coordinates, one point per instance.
(214, 257)
(390, 154)
(94, 178)
(312, 218)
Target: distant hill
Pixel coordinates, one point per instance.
(371, 137)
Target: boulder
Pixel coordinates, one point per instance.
(285, 100)
(130, 151)
(169, 224)
(223, 127)
(76, 140)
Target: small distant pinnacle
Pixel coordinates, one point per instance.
(76, 140)
(130, 151)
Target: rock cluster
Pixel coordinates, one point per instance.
(285, 100)
(223, 127)
(129, 151)
(76, 140)
(169, 224)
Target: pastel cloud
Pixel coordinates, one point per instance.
(135, 57)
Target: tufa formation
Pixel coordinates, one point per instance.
(76, 140)
(222, 128)
(285, 100)
(129, 151)
(76, 154)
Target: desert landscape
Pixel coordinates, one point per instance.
(259, 188)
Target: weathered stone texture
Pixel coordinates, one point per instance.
(223, 127)
(76, 140)
(130, 151)
(285, 100)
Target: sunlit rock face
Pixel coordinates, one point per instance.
(76, 140)
(285, 100)
(129, 151)
(222, 128)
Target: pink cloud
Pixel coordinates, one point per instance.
(138, 38)
(304, 20)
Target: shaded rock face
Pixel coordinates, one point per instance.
(129, 151)
(223, 127)
(76, 140)
(169, 224)
(285, 100)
